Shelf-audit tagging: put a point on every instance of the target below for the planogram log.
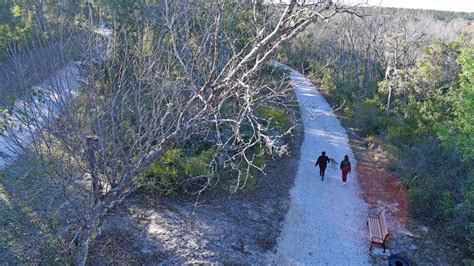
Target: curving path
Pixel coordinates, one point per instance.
(325, 224)
(59, 87)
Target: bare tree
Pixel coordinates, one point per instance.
(190, 71)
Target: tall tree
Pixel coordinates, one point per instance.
(184, 72)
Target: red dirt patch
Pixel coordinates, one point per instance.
(383, 190)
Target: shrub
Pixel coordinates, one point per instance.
(327, 82)
(259, 157)
(369, 118)
(175, 172)
(441, 191)
(433, 179)
(278, 118)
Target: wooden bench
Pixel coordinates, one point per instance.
(378, 231)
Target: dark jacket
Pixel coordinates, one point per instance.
(345, 164)
(323, 161)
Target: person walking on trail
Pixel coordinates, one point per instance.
(322, 161)
(345, 168)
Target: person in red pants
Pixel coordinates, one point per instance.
(345, 168)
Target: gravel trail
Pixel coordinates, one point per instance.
(325, 224)
(62, 85)
(56, 90)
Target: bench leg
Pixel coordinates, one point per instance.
(370, 248)
(383, 245)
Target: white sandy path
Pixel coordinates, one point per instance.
(325, 224)
(60, 86)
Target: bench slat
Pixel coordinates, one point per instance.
(383, 224)
(377, 227)
(375, 232)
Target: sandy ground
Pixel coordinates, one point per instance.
(238, 229)
(148, 229)
(61, 86)
(325, 223)
(326, 220)
(63, 82)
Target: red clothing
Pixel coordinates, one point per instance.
(345, 169)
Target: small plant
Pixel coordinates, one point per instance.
(369, 117)
(278, 118)
(174, 172)
(327, 82)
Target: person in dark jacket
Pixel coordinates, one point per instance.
(345, 169)
(322, 161)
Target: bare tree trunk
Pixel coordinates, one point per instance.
(358, 72)
(92, 146)
(387, 78)
(389, 98)
(39, 14)
(87, 231)
(366, 68)
(83, 243)
(343, 62)
(142, 104)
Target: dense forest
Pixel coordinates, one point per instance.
(180, 99)
(404, 77)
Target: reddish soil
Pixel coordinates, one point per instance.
(383, 190)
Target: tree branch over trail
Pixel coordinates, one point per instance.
(175, 70)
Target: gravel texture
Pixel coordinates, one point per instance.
(325, 223)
